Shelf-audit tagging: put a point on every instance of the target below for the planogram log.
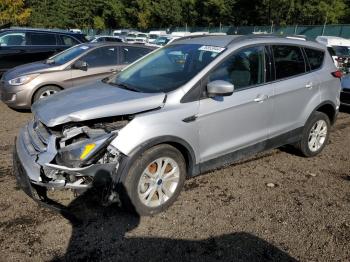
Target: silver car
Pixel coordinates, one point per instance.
(195, 105)
(81, 64)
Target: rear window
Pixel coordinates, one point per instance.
(315, 58)
(289, 61)
(42, 39)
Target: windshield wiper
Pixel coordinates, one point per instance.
(124, 86)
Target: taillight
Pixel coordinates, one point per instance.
(337, 74)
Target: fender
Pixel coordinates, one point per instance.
(126, 161)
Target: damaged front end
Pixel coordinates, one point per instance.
(68, 156)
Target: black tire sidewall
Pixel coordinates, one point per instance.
(304, 146)
(130, 196)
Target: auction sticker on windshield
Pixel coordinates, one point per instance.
(214, 49)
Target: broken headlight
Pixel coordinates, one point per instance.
(84, 152)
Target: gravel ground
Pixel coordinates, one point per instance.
(227, 215)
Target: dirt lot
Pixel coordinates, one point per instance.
(226, 215)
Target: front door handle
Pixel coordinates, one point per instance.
(309, 86)
(261, 98)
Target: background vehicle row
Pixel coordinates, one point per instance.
(20, 46)
(84, 63)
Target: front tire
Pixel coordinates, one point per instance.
(315, 135)
(45, 91)
(155, 180)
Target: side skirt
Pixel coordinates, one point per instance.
(230, 158)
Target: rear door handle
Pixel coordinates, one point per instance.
(261, 98)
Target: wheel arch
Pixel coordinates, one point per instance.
(42, 86)
(328, 108)
(180, 144)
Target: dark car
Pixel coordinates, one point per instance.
(106, 39)
(21, 46)
(345, 91)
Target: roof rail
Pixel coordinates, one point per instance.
(196, 36)
(39, 29)
(254, 36)
(188, 37)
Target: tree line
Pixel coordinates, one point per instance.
(145, 14)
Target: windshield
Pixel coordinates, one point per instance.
(68, 54)
(166, 69)
(153, 36)
(142, 35)
(339, 50)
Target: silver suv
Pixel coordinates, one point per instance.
(195, 105)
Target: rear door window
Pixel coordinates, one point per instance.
(315, 58)
(42, 39)
(103, 56)
(289, 61)
(131, 54)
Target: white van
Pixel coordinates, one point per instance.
(339, 48)
(153, 35)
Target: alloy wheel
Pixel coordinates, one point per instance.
(318, 135)
(159, 182)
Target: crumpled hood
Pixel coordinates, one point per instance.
(93, 101)
(26, 69)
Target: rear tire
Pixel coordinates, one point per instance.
(154, 181)
(45, 92)
(315, 135)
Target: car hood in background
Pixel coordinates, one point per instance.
(27, 69)
(93, 101)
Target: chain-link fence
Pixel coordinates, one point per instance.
(310, 31)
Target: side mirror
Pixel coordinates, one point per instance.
(80, 65)
(220, 88)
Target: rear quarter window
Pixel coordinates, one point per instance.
(315, 58)
(68, 41)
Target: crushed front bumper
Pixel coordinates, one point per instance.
(34, 150)
(37, 193)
